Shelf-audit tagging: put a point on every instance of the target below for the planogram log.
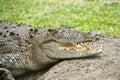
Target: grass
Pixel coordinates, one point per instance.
(84, 15)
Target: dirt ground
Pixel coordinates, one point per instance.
(106, 66)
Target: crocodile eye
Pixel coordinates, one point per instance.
(33, 32)
(51, 31)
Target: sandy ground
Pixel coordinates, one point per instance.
(104, 67)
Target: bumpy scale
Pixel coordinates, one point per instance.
(24, 48)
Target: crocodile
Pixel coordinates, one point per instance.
(24, 48)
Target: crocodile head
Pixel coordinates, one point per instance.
(67, 42)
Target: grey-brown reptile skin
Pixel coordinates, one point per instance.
(24, 48)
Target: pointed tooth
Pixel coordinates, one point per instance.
(81, 43)
(78, 45)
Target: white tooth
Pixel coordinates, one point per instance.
(81, 43)
(78, 45)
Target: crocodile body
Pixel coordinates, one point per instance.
(24, 48)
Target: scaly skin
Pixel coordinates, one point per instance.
(24, 48)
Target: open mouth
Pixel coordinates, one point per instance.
(74, 46)
(76, 50)
(83, 46)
